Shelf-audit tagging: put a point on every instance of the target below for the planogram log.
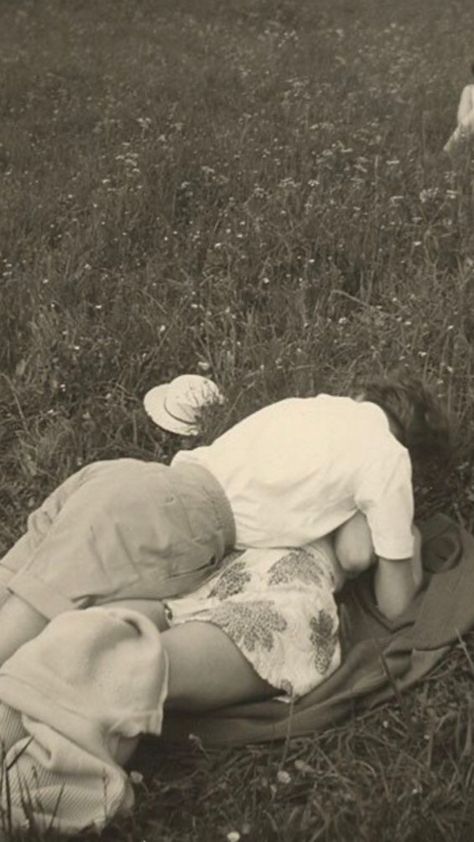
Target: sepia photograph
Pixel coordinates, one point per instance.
(237, 420)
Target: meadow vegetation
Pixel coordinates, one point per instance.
(254, 190)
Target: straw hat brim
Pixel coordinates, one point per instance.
(155, 406)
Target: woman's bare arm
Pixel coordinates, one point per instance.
(397, 581)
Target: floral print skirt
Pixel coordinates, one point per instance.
(278, 607)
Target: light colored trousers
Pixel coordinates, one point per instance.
(72, 703)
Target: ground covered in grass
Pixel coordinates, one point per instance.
(253, 189)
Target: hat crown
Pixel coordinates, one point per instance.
(186, 397)
(176, 406)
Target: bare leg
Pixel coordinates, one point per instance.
(353, 545)
(207, 670)
(19, 622)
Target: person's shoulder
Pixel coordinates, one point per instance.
(389, 454)
(326, 399)
(375, 420)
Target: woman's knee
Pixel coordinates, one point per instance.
(353, 544)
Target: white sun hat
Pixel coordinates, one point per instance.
(176, 406)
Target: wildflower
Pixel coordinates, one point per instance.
(301, 766)
(428, 193)
(233, 836)
(283, 777)
(289, 183)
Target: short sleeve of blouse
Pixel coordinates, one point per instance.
(386, 499)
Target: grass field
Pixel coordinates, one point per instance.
(253, 189)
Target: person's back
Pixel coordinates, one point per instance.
(298, 469)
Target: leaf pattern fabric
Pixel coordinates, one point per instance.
(278, 607)
(251, 623)
(324, 639)
(231, 581)
(297, 566)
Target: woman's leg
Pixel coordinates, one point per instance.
(207, 670)
(353, 545)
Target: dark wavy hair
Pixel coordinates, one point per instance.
(423, 424)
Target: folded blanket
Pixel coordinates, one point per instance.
(72, 703)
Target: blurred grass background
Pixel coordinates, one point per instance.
(253, 190)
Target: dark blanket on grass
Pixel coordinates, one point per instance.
(381, 658)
